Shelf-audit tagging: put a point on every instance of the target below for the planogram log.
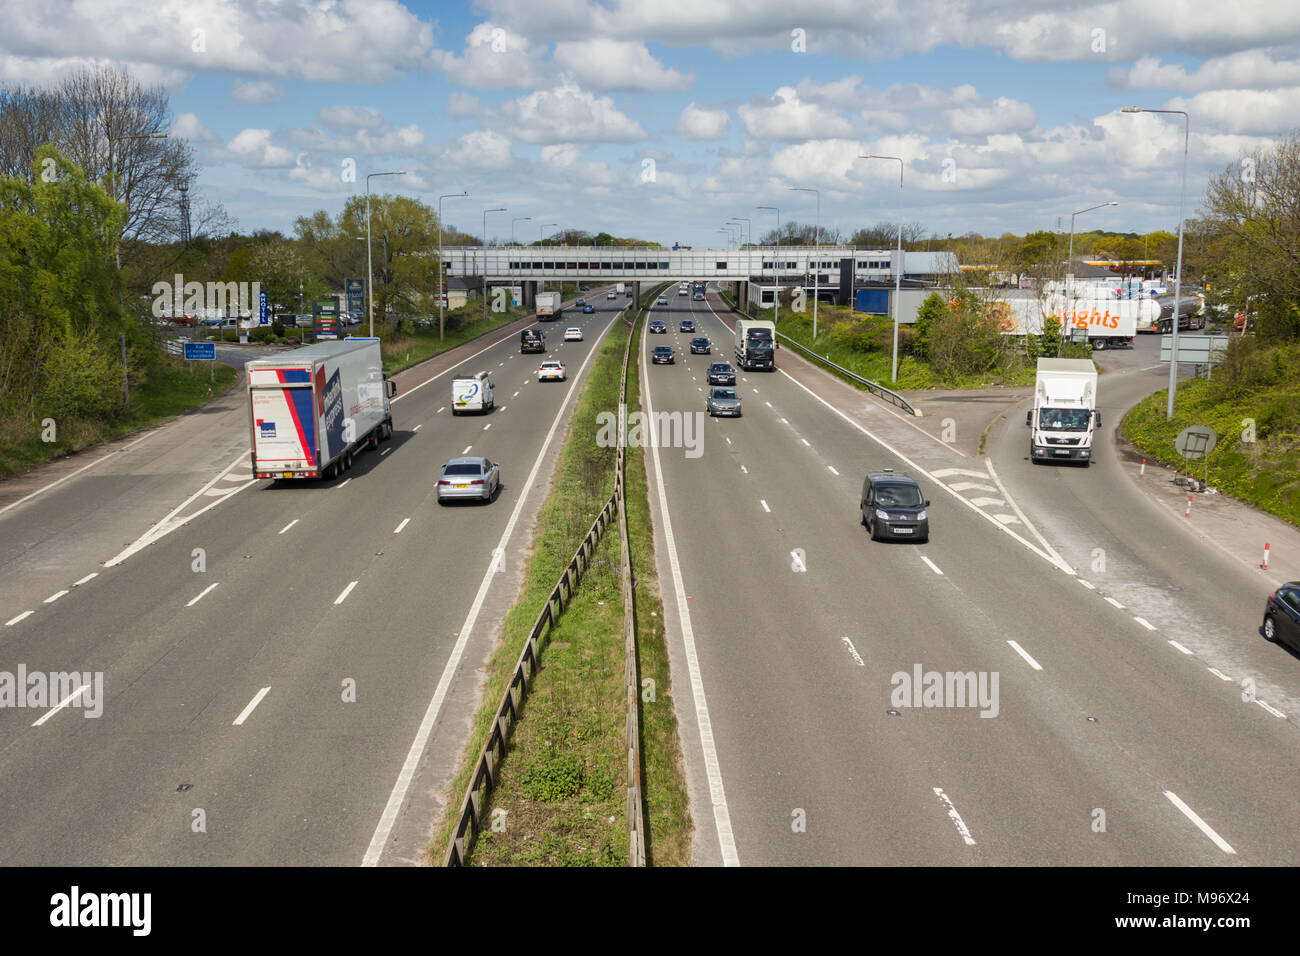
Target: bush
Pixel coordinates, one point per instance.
(277, 328)
(264, 333)
(81, 378)
(229, 336)
(553, 776)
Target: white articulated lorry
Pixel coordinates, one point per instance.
(1064, 418)
(548, 306)
(755, 344)
(312, 409)
(1108, 322)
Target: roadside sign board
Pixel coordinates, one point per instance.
(201, 351)
(356, 293)
(1196, 441)
(263, 310)
(1195, 349)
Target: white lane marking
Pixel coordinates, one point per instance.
(467, 448)
(1046, 556)
(1219, 674)
(418, 427)
(764, 504)
(59, 481)
(744, 470)
(857, 658)
(1087, 584)
(163, 527)
(288, 526)
(515, 395)
(1145, 623)
(1272, 710)
(806, 442)
(1113, 603)
(92, 574)
(968, 485)
(712, 769)
(955, 817)
(404, 777)
(1025, 654)
(756, 392)
(416, 388)
(726, 436)
(398, 529)
(1204, 827)
(832, 469)
(949, 472)
(933, 567)
(346, 591)
(243, 714)
(985, 502)
(1181, 648)
(487, 426)
(783, 421)
(14, 620)
(384, 452)
(988, 462)
(55, 596)
(343, 482)
(61, 704)
(196, 599)
(1007, 519)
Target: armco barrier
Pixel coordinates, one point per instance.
(470, 819)
(870, 386)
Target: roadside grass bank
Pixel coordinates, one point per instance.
(1253, 405)
(410, 344)
(169, 391)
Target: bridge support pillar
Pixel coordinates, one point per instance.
(742, 295)
(530, 295)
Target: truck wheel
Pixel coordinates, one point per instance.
(1098, 345)
(347, 462)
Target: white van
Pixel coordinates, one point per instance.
(472, 394)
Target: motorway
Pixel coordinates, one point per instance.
(1106, 745)
(289, 671)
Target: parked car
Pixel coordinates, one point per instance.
(892, 506)
(701, 346)
(573, 335)
(658, 327)
(552, 371)
(720, 373)
(686, 325)
(663, 355)
(723, 401)
(474, 478)
(1282, 615)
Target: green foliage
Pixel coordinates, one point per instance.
(80, 378)
(553, 775)
(1049, 341)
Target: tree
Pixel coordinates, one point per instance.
(884, 235)
(1038, 251)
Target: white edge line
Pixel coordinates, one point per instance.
(857, 658)
(933, 567)
(1145, 623)
(397, 797)
(1006, 496)
(61, 704)
(955, 817)
(288, 526)
(243, 715)
(1113, 603)
(1025, 654)
(1219, 674)
(1181, 648)
(1204, 827)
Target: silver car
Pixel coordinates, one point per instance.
(469, 478)
(723, 401)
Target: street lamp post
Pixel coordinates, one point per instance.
(817, 271)
(776, 305)
(1069, 258)
(898, 273)
(485, 215)
(370, 269)
(512, 226)
(1178, 271)
(442, 269)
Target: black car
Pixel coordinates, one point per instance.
(687, 325)
(720, 373)
(658, 327)
(701, 346)
(893, 507)
(662, 355)
(1282, 615)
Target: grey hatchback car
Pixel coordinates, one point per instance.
(469, 478)
(892, 506)
(723, 401)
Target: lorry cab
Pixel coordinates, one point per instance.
(472, 393)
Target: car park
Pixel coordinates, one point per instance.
(723, 401)
(686, 325)
(701, 346)
(892, 506)
(1282, 615)
(659, 327)
(663, 355)
(469, 478)
(573, 334)
(720, 373)
(551, 371)
(588, 309)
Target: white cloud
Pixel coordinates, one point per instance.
(568, 114)
(463, 104)
(320, 178)
(348, 118)
(188, 126)
(256, 92)
(785, 117)
(478, 150)
(618, 66)
(1248, 69)
(1003, 114)
(494, 58)
(1242, 111)
(560, 155)
(698, 123)
(253, 147)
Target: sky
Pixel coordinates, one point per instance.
(661, 119)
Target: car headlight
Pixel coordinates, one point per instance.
(920, 515)
(882, 515)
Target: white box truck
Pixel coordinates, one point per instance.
(312, 409)
(1064, 417)
(549, 306)
(620, 288)
(755, 344)
(472, 393)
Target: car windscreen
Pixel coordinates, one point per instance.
(898, 496)
(463, 469)
(724, 393)
(1064, 419)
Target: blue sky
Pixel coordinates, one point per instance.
(663, 120)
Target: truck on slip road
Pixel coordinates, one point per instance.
(311, 410)
(1064, 418)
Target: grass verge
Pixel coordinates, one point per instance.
(416, 344)
(171, 390)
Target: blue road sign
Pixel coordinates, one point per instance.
(201, 351)
(263, 311)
